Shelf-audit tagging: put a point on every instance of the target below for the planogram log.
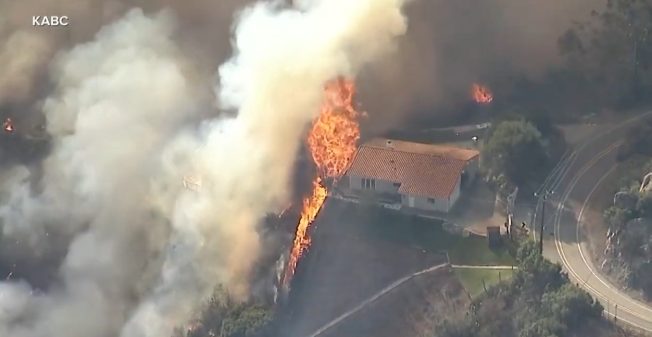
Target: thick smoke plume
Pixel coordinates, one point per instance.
(448, 45)
(128, 118)
(25, 51)
(451, 44)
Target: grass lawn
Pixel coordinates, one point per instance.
(472, 278)
(427, 234)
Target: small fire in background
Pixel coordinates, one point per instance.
(481, 94)
(8, 125)
(332, 142)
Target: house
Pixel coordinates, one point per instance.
(417, 176)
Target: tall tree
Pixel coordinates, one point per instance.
(516, 150)
(614, 50)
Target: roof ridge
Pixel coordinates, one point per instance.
(385, 148)
(423, 174)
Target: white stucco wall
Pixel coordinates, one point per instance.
(456, 194)
(472, 168)
(439, 205)
(355, 182)
(381, 186)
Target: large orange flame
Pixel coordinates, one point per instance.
(8, 125)
(332, 140)
(332, 143)
(481, 94)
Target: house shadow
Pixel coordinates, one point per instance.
(476, 207)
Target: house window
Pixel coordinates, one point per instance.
(368, 184)
(431, 200)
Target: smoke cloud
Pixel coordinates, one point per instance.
(130, 119)
(25, 51)
(451, 44)
(118, 100)
(133, 109)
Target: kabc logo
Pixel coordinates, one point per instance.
(51, 20)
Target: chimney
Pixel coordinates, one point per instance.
(388, 143)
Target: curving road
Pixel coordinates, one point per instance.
(572, 184)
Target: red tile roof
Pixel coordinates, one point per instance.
(448, 151)
(420, 173)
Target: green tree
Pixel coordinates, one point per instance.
(614, 50)
(539, 301)
(246, 320)
(618, 217)
(515, 150)
(535, 274)
(224, 317)
(643, 278)
(571, 306)
(644, 205)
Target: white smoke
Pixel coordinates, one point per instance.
(118, 101)
(144, 252)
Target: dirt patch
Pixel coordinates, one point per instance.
(413, 309)
(345, 266)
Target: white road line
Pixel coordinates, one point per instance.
(560, 249)
(577, 230)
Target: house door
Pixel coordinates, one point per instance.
(411, 201)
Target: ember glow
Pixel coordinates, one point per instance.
(8, 125)
(332, 140)
(481, 94)
(332, 143)
(311, 207)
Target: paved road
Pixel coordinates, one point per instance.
(573, 183)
